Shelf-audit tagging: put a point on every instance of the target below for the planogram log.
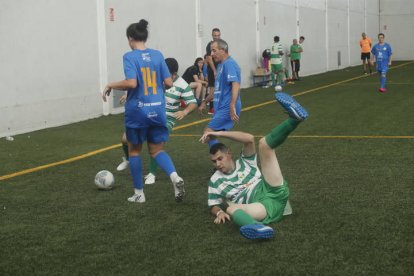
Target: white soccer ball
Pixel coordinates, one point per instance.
(104, 180)
(278, 88)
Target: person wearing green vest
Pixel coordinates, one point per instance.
(295, 55)
(276, 62)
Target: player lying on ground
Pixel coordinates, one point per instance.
(255, 197)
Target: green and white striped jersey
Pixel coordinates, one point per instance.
(239, 186)
(179, 91)
(275, 57)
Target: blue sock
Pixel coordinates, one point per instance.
(212, 143)
(382, 80)
(165, 162)
(135, 166)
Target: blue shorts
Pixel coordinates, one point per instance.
(220, 123)
(152, 134)
(382, 70)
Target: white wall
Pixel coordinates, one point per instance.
(56, 55)
(397, 23)
(48, 55)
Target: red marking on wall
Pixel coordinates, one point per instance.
(111, 14)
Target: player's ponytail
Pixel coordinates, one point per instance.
(138, 31)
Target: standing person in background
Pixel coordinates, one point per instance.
(226, 91)
(146, 73)
(276, 62)
(266, 59)
(212, 66)
(381, 54)
(365, 44)
(295, 55)
(301, 41)
(193, 75)
(180, 91)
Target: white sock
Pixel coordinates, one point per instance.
(139, 192)
(173, 176)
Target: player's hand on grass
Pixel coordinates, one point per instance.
(179, 115)
(221, 218)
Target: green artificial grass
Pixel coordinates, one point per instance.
(349, 167)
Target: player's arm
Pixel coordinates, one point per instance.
(242, 137)
(390, 59)
(235, 88)
(203, 104)
(179, 115)
(220, 215)
(372, 59)
(168, 82)
(119, 85)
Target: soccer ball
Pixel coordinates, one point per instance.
(104, 180)
(278, 88)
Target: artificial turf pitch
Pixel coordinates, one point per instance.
(350, 168)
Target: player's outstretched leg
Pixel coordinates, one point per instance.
(292, 107)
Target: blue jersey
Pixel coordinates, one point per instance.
(145, 105)
(228, 71)
(382, 55)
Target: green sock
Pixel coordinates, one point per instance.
(153, 166)
(241, 218)
(273, 79)
(279, 134)
(280, 78)
(125, 149)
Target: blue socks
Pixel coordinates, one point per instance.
(135, 166)
(383, 79)
(165, 162)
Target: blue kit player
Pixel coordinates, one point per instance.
(381, 53)
(145, 117)
(227, 102)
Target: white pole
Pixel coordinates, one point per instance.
(103, 62)
(258, 51)
(198, 29)
(349, 36)
(327, 35)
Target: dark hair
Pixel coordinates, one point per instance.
(138, 31)
(276, 38)
(215, 30)
(381, 34)
(302, 37)
(172, 65)
(266, 53)
(218, 147)
(197, 60)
